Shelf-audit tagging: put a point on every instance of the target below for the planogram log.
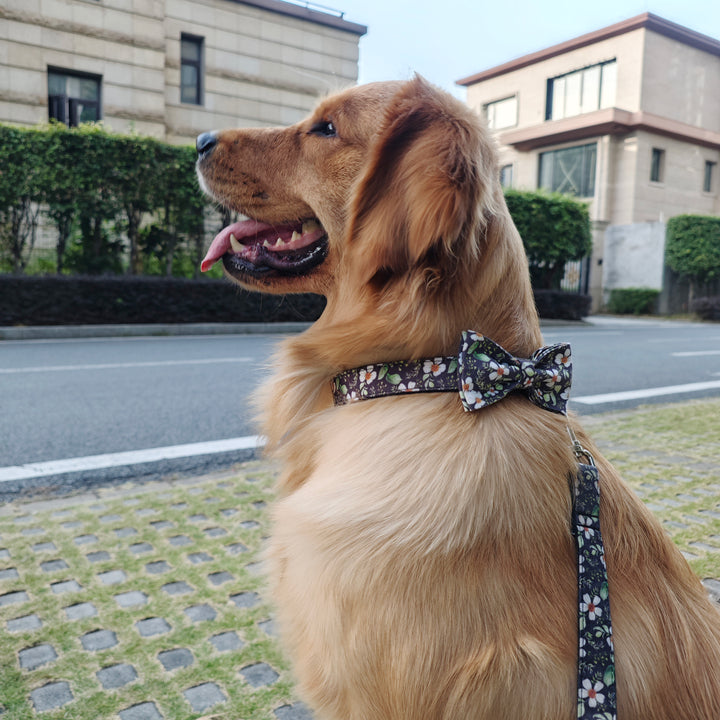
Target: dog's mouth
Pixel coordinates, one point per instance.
(258, 249)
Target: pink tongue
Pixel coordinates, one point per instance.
(221, 244)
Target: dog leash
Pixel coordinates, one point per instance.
(483, 373)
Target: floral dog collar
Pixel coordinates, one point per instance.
(484, 373)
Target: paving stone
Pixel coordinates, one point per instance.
(152, 626)
(129, 502)
(143, 711)
(9, 574)
(50, 696)
(98, 507)
(705, 547)
(202, 697)
(24, 623)
(161, 524)
(179, 587)
(80, 611)
(65, 586)
(215, 532)
(131, 599)
(218, 578)
(112, 577)
(99, 556)
(255, 568)
(60, 513)
(144, 512)
(249, 524)
(236, 548)
(157, 567)
(33, 531)
(197, 517)
(23, 519)
(211, 500)
(11, 598)
(259, 505)
(268, 627)
(114, 517)
(228, 512)
(116, 676)
(199, 557)
(245, 599)
(71, 524)
(297, 711)
(195, 491)
(85, 539)
(200, 613)
(140, 548)
(124, 532)
(44, 547)
(176, 659)
(259, 674)
(226, 641)
(179, 506)
(53, 565)
(4, 553)
(180, 540)
(35, 657)
(99, 640)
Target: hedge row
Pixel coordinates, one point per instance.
(67, 300)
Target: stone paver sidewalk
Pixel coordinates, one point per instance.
(140, 603)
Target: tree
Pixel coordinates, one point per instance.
(692, 248)
(554, 229)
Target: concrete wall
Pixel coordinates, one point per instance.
(634, 256)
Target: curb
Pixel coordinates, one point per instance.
(61, 332)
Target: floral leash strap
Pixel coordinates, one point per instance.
(484, 373)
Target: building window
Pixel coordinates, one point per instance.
(191, 69)
(570, 171)
(709, 181)
(506, 176)
(657, 166)
(73, 98)
(581, 91)
(501, 113)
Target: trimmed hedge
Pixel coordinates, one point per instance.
(708, 308)
(63, 300)
(560, 305)
(108, 300)
(633, 301)
(692, 248)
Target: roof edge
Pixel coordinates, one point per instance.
(306, 12)
(646, 20)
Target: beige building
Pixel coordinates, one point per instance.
(170, 68)
(627, 118)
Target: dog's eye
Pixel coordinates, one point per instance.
(326, 128)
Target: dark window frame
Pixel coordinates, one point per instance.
(550, 88)
(657, 165)
(588, 169)
(64, 108)
(199, 66)
(708, 183)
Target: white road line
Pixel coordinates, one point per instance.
(647, 393)
(133, 457)
(113, 366)
(696, 353)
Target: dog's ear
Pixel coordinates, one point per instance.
(423, 185)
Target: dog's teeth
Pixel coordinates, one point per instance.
(235, 244)
(295, 236)
(310, 226)
(267, 244)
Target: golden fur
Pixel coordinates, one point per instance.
(421, 559)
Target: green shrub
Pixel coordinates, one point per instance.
(633, 301)
(692, 248)
(554, 229)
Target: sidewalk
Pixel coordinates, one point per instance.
(144, 601)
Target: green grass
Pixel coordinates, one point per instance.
(669, 454)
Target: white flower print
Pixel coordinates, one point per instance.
(498, 371)
(467, 385)
(592, 693)
(351, 397)
(563, 358)
(591, 606)
(552, 379)
(581, 647)
(474, 399)
(435, 366)
(585, 524)
(410, 387)
(368, 374)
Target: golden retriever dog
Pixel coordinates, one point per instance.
(422, 562)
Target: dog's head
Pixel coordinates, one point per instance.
(385, 200)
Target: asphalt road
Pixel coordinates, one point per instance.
(82, 398)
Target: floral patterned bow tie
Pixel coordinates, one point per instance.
(483, 373)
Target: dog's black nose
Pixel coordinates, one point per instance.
(205, 143)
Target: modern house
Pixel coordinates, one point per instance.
(171, 68)
(626, 118)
